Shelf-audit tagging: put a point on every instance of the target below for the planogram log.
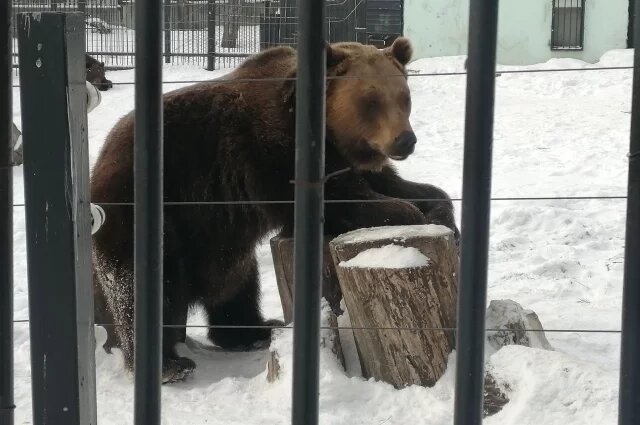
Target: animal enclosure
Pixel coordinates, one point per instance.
(67, 382)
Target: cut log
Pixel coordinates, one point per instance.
(400, 288)
(282, 249)
(332, 338)
(273, 366)
(282, 253)
(281, 348)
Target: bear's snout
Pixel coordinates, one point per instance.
(104, 85)
(404, 145)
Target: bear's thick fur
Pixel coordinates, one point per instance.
(232, 140)
(96, 73)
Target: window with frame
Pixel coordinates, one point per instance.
(567, 28)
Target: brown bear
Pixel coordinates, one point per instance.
(96, 73)
(232, 140)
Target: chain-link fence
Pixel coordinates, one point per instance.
(219, 33)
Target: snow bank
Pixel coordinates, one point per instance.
(556, 134)
(547, 387)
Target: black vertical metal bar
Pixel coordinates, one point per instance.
(6, 220)
(629, 400)
(82, 7)
(554, 26)
(148, 216)
(476, 194)
(563, 39)
(211, 35)
(309, 198)
(630, 29)
(56, 181)
(583, 12)
(572, 19)
(167, 31)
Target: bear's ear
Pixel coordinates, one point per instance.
(289, 86)
(401, 50)
(335, 56)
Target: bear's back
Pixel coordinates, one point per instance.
(246, 101)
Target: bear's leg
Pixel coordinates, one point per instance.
(242, 309)
(117, 289)
(344, 217)
(102, 315)
(117, 286)
(437, 206)
(175, 310)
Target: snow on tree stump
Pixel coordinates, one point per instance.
(515, 326)
(282, 253)
(400, 277)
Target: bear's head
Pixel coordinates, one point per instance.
(96, 76)
(368, 102)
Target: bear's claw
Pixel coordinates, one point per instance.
(177, 369)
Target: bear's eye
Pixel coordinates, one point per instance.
(372, 100)
(370, 104)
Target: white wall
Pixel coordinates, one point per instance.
(439, 28)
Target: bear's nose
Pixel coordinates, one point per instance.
(405, 143)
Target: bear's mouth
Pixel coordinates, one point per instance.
(398, 157)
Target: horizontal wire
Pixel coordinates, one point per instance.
(356, 77)
(370, 328)
(376, 200)
(367, 201)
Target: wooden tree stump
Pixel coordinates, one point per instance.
(400, 277)
(282, 253)
(329, 339)
(282, 249)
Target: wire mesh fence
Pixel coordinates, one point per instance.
(216, 33)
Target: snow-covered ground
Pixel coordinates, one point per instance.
(556, 135)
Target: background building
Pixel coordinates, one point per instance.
(530, 31)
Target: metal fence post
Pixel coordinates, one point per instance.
(630, 28)
(211, 35)
(6, 221)
(167, 31)
(56, 179)
(148, 187)
(629, 401)
(309, 198)
(476, 195)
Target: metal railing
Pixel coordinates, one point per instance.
(567, 25)
(71, 323)
(211, 33)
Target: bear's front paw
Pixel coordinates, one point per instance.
(401, 213)
(175, 369)
(444, 217)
